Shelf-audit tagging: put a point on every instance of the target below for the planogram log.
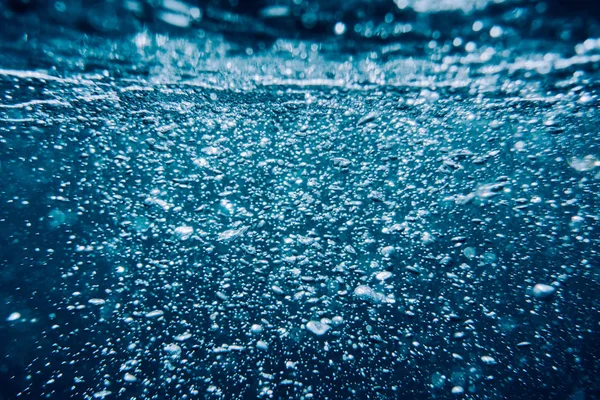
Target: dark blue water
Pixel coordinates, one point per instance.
(372, 201)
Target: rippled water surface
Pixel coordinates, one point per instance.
(297, 200)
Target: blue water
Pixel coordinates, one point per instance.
(326, 201)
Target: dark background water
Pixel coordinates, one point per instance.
(477, 164)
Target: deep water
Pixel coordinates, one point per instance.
(220, 201)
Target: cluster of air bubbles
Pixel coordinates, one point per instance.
(395, 203)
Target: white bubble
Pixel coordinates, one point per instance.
(383, 275)
(543, 291)
(317, 327)
(14, 316)
(339, 28)
(489, 360)
(154, 314)
(262, 345)
(256, 329)
(183, 337)
(173, 350)
(458, 390)
(496, 32)
(184, 232)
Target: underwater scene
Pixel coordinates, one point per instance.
(299, 199)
